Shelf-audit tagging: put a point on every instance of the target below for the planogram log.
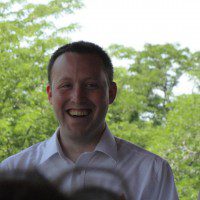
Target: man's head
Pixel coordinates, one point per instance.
(83, 47)
(27, 185)
(80, 90)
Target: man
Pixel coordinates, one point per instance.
(80, 90)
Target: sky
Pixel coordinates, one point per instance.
(136, 22)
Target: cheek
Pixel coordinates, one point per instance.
(58, 104)
(57, 100)
(101, 99)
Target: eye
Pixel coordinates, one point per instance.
(92, 85)
(66, 85)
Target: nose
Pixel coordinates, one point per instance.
(78, 94)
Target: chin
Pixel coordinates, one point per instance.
(76, 132)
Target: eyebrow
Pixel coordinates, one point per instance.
(64, 79)
(84, 79)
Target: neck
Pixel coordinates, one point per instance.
(73, 148)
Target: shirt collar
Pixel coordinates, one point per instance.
(107, 144)
(50, 147)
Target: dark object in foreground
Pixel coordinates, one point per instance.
(92, 193)
(29, 185)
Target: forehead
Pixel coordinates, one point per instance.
(73, 58)
(77, 63)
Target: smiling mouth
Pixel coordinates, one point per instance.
(79, 112)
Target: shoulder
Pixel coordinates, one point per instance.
(26, 158)
(140, 161)
(136, 156)
(152, 172)
(126, 147)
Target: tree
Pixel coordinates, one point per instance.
(154, 72)
(194, 69)
(28, 35)
(178, 141)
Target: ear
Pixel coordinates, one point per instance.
(112, 92)
(49, 93)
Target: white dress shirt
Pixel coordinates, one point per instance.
(148, 176)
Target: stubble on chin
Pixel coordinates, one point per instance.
(80, 136)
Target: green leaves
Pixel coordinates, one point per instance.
(153, 73)
(183, 125)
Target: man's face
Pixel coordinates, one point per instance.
(80, 94)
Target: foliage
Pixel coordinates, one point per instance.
(194, 69)
(184, 129)
(179, 143)
(154, 72)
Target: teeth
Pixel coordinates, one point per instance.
(78, 112)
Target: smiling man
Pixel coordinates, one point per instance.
(80, 93)
(80, 90)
